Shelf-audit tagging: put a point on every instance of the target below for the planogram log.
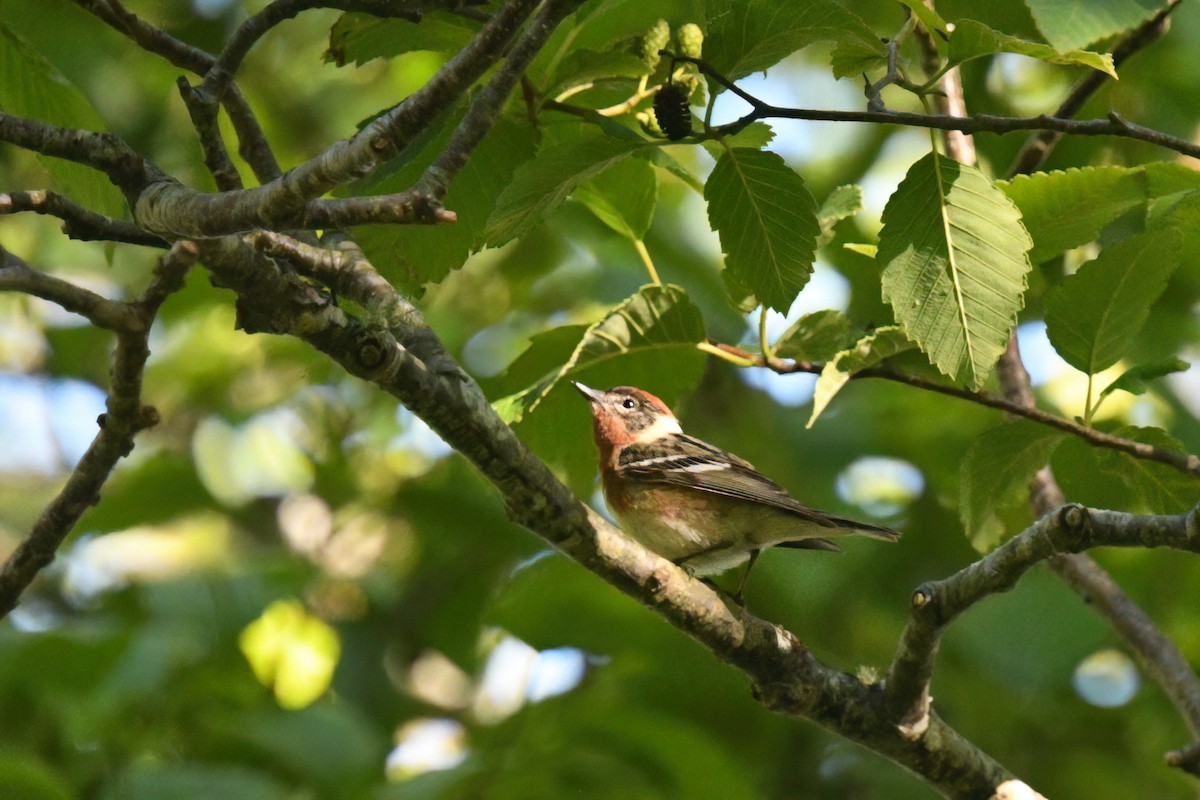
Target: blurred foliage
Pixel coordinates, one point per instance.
(287, 535)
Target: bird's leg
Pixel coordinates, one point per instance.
(739, 596)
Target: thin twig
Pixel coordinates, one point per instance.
(17, 276)
(124, 417)
(1184, 462)
(78, 222)
(253, 145)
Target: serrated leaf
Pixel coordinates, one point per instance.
(954, 261)
(1068, 208)
(999, 464)
(767, 222)
(358, 38)
(1093, 315)
(657, 321)
(842, 203)
(1136, 379)
(819, 336)
(31, 87)
(748, 36)
(414, 255)
(1068, 24)
(542, 185)
(869, 351)
(755, 136)
(622, 197)
(649, 340)
(1162, 489)
(972, 39)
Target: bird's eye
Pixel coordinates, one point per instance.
(628, 403)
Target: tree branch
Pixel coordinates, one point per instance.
(1069, 529)
(787, 678)
(125, 416)
(253, 145)
(173, 210)
(17, 276)
(1114, 125)
(78, 222)
(1184, 462)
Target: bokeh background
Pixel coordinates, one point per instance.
(293, 589)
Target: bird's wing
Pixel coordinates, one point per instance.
(681, 460)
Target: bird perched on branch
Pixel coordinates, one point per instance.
(695, 504)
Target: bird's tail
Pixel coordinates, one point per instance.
(881, 532)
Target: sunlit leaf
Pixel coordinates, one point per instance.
(1068, 24)
(972, 39)
(767, 222)
(819, 336)
(932, 21)
(755, 136)
(842, 203)
(997, 466)
(954, 261)
(869, 351)
(292, 652)
(1092, 316)
(1136, 380)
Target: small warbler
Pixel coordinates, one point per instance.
(695, 504)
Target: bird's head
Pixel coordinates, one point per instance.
(626, 415)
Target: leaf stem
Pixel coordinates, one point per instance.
(725, 355)
(764, 342)
(1088, 410)
(648, 262)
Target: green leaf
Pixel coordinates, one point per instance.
(1069, 208)
(414, 255)
(842, 203)
(748, 36)
(972, 39)
(1068, 24)
(30, 86)
(767, 222)
(869, 351)
(623, 197)
(649, 340)
(540, 186)
(954, 265)
(928, 17)
(1161, 489)
(1093, 315)
(1135, 380)
(997, 466)
(819, 336)
(755, 136)
(359, 38)
(589, 66)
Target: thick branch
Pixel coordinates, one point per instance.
(174, 211)
(124, 418)
(787, 677)
(78, 222)
(1070, 529)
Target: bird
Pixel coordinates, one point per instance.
(693, 503)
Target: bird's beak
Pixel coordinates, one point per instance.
(591, 394)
